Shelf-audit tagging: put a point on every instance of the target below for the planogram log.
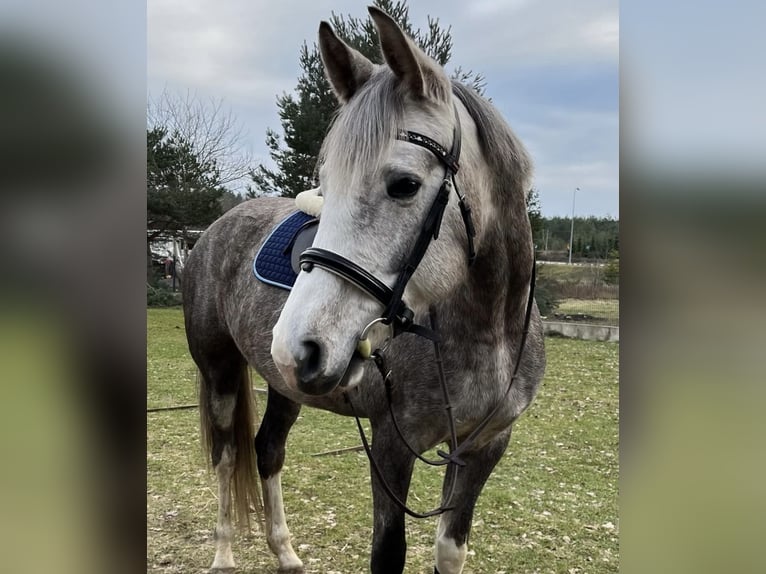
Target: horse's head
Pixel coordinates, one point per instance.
(379, 191)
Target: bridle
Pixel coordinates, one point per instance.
(396, 312)
(400, 317)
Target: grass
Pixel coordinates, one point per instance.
(569, 273)
(549, 507)
(581, 290)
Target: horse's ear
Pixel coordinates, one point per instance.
(345, 68)
(419, 72)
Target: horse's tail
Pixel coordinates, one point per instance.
(246, 488)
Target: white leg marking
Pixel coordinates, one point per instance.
(450, 557)
(277, 533)
(223, 529)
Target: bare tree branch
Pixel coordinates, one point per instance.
(212, 129)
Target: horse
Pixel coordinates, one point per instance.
(423, 245)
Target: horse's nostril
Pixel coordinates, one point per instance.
(311, 369)
(310, 364)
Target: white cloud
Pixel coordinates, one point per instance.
(524, 33)
(196, 46)
(491, 8)
(246, 52)
(206, 42)
(603, 33)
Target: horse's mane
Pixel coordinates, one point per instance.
(503, 151)
(512, 172)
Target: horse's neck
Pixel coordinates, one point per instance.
(488, 310)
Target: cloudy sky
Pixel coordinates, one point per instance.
(551, 68)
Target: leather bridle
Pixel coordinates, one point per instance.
(400, 317)
(396, 312)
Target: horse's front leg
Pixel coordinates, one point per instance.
(389, 546)
(270, 441)
(455, 525)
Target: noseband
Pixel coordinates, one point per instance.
(396, 312)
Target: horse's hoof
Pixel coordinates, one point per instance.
(222, 570)
(291, 570)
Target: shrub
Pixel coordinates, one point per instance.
(612, 270)
(161, 296)
(546, 295)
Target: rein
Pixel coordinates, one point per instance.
(456, 450)
(400, 317)
(379, 360)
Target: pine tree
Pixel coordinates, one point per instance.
(306, 114)
(182, 190)
(612, 271)
(535, 216)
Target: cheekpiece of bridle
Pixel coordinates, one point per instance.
(400, 317)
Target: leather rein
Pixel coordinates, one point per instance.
(401, 318)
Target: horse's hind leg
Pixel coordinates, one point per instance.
(227, 429)
(455, 525)
(279, 417)
(224, 532)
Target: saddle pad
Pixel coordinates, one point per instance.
(272, 263)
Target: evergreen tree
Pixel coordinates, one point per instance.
(229, 199)
(306, 114)
(612, 271)
(535, 217)
(603, 231)
(182, 191)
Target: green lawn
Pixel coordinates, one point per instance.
(550, 505)
(568, 273)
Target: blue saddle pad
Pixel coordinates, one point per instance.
(272, 263)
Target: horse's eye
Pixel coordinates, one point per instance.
(404, 187)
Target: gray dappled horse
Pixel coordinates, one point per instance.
(379, 188)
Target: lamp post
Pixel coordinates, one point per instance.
(571, 230)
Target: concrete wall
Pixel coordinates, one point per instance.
(583, 331)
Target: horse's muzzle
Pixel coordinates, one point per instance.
(311, 373)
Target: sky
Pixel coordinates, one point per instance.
(694, 85)
(551, 68)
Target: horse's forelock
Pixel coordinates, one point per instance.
(364, 130)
